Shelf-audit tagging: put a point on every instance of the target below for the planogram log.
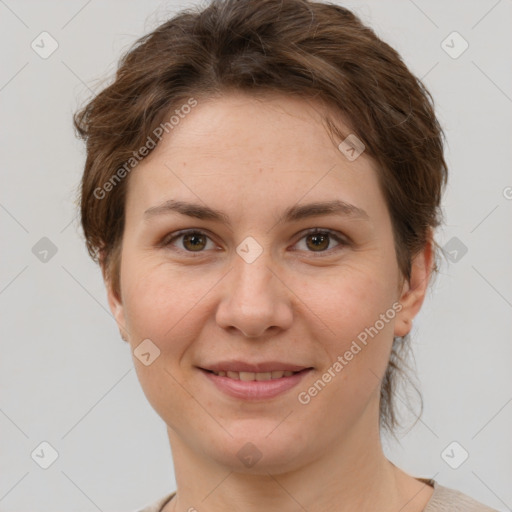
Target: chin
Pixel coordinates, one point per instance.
(256, 448)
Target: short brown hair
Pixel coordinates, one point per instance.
(306, 49)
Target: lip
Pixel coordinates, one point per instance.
(256, 390)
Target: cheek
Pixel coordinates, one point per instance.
(159, 302)
(164, 306)
(353, 299)
(358, 307)
(356, 347)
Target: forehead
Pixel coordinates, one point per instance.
(256, 150)
(251, 128)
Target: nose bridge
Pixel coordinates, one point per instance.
(251, 267)
(253, 278)
(254, 299)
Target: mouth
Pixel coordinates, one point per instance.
(254, 382)
(251, 376)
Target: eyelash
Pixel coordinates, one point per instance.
(167, 242)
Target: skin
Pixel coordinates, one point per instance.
(253, 158)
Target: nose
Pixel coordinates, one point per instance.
(254, 299)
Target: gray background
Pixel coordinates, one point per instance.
(66, 377)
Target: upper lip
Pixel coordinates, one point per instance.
(241, 366)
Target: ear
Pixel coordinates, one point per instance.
(414, 291)
(114, 300)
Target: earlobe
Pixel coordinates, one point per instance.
(415, 289)
(115, 304)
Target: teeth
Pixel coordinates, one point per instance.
(250, 376)
(263, 376)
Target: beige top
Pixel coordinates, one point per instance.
(443, 499)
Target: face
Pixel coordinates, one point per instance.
(227, 267)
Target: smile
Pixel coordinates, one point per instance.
(260, 376)
(254, 386)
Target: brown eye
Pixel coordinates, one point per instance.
(318, 241)
(194, 241)
(189, 242)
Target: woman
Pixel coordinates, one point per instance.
(262, 185)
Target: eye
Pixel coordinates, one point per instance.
(191, 241)
(319, 240)
(197, 241)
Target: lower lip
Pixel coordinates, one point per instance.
(255, 389)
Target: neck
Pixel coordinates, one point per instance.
(352, 475)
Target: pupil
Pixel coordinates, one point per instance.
(196, 241)
(319, 241)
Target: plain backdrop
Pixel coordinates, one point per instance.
(67, 379)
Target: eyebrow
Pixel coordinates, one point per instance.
(291, 214)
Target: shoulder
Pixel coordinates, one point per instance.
(157, 506)
(445, 499)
